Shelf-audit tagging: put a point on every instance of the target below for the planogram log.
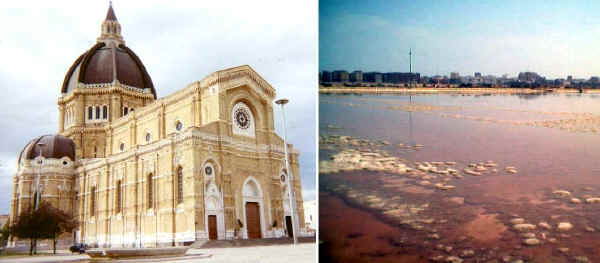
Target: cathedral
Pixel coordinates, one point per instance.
(140, 171)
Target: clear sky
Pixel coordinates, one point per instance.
(179, 42)
(553, 38)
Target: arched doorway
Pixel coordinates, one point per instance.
(287, 213)
(252, 209)
(215, 220)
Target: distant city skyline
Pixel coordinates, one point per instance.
(454, 73)
(554, 39)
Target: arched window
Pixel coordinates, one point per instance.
(179, 185)
(148, 137)
(243, 120)
(150, 193)
(105, 112)
(93, 201)
(90, 112)
(179, 125)
(97, 112)
(125, 111)
(118, 204)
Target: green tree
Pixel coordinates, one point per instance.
(4, 234)
(46, 222)
(62, 223)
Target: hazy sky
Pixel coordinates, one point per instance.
(178, 41)
(553, 38)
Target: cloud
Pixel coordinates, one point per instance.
(179, 42)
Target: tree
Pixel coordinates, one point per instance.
(4, 234)
(46, 222)
(63, 223)
(29, 225)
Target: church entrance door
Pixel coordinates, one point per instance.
(253, 220)
(288, 226)
(212, 227)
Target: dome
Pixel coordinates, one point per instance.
(52, 146)
(107, 61)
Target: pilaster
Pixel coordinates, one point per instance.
(61, 118)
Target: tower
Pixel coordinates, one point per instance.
(409, 60)
(106, 83)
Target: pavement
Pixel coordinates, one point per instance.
(303, 252)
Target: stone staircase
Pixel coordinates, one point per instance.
(248, 242)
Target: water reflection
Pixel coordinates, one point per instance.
(551, 139)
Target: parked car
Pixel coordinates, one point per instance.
(78, 248)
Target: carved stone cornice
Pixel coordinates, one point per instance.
(106, 88)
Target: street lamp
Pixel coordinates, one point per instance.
(37, 184)
(282, 102)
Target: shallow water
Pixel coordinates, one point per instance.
(506, 129)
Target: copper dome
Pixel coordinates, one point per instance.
(96, 66)
(52, 146)
(108, 60)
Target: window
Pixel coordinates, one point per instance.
(90, 113)
(242, 120)
(179, 126)
(208, 170)
(97, 112)
(150, 197)
(179, 185)
(148, 137)
(125, 111)
(122, 146)
(35, 199)
(118, 204)
(93, 201)
(105, 112)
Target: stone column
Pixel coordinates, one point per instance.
(197, 108)
(115, 108)
(61, 118)
(132, 133)
(80, 110)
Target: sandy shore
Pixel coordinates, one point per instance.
(421, 90)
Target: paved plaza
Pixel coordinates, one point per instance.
(304, 252)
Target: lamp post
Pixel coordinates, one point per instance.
(37, 184)
(282, 102)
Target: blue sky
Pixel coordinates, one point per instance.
(553, 38)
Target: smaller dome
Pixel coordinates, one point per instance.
(52, 146)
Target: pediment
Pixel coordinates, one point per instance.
(239, 76)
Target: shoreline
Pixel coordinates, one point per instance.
(387, 90)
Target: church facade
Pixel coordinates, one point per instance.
(137, 171)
